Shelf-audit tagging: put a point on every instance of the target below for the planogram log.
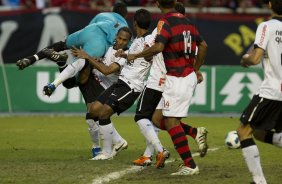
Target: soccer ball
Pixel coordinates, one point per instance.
(232, 140)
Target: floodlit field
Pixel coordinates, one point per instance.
(56, 149)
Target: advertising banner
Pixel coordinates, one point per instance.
(224, 89)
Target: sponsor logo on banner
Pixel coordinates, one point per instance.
(239, 85)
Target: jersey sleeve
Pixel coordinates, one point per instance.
(149, 41)
(262, 36)
(164, 32)
(121, 62)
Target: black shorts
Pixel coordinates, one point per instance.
(119, 97)
(91, 89)
(148, 101)
(263, 114)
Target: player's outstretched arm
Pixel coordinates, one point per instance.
(155, 49)
(104, 69)
(253, 57)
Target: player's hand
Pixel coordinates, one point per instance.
(130, 57)
(200, 77)
(243, 61)
(120, 53)
(79, 53)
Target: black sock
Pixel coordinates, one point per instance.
(247, 142)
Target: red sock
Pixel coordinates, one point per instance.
(180, 142)
(191, 131)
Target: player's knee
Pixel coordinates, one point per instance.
(244, 131)
(259, 135)
(104, 113)
(94, 108)
(157, 117)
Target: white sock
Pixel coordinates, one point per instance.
(149, 151)
(106, 132)
(157, 130)
(116, 137)
(93, 128)
(149, 133)
(277, 139)
(252, 159)
(70, 71)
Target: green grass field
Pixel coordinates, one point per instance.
(56, 149)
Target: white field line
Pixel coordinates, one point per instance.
(133, 169)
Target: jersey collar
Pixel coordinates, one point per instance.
(277, 18)
(175, 14)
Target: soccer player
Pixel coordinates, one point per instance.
(120, 96)
(264, 112)
(178, 40)
(95, 39)
(92, 83)
(148, 102)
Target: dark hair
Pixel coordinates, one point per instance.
(166, 3)
(120, 8)
(179, 7)
(276, 6)
(142, 18)
(125, 29)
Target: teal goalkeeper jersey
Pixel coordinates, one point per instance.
(110, 23)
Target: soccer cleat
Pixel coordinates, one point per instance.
(118, 147)
(49, 89)
(23, 63)
(161, 158)
(96, 151)
(184, 170)
(143, 161)
(55, 56)
(102, 156)
(201, 140)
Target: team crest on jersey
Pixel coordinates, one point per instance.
(160, 26)
(116, 25)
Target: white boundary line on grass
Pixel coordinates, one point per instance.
(133, 169)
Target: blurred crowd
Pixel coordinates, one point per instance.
(100, 4)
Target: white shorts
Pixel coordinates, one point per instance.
(177, 95)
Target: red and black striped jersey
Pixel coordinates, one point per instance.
(180, 38)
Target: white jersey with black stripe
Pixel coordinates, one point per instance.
(134, 73)
(156, 77)
(269, 38)
(107, 81)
